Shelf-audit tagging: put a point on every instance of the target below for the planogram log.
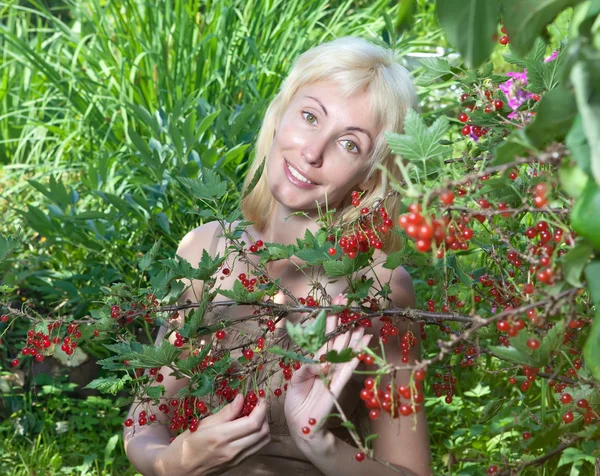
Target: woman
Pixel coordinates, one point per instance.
(323, 138)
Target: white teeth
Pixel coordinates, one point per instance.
(296, 174)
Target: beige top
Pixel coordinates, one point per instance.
(281, 455)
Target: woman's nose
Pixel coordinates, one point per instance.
(312, 153)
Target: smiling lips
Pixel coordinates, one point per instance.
(296, 177)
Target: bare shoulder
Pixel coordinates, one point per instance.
(191, 245)
(400, 281)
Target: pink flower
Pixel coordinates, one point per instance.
(552, 57)
(513, 89)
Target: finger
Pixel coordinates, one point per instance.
(343, 375)
(250, 450)
(248, 441)
(244, 426)
(228, 413)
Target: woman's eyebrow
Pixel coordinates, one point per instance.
(350, 128)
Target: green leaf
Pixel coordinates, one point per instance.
(333, 356)
(8, 245)
(470, 26)
(155, 391)
(195, 319)
(592, 275)
(151, 356)
(310, 336)
(578, 145)
(585, 76)
(434, 69)
(573, 179)
(348, 424)
(110, 385)
(291, 355)
(240, 294)
(419, 142)
(208, 266)
(146, 260)
(555, 115)
(255, 179)
(490, 410)
(570, 455)
(361, 289)
(208, 186)
(575, 260)
(275, 251)
(525, 20)
(346, 266)
(511, 354)
(204, 383)
(591, 348)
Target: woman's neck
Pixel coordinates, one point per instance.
(285, 228)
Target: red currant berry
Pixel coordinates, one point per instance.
(462, 117)
(220, 334)
(533, 343)
(568, 417)
(360, 456)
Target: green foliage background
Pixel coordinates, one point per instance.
(107, 108)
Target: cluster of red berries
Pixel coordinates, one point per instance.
(503, 39)
(39, 344)
(421, 229)
(248, 282)
(256, 246)
(376, 399)
(489, 105)
(127, 317)
(367, 235)
(446, 387)
(539, 195)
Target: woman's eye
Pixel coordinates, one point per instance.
(351, 147)
(308, 115)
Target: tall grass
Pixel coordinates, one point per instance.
(103, 103)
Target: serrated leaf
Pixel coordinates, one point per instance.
(7, 245)
(146, 260)
(110, 385)
(291, 355)
(434, 69)
(311, 335)
(240, 294)
(346, 266)
(208, 186)
(255, 179)
(195, 319)
(204, 383)
(151, 356)
(275, 251)
(208, 266)
(419, 142)
(361, 289)
(333, 356)
(155, 391)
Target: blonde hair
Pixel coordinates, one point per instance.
(354, 65)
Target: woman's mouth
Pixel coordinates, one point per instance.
(296, 178)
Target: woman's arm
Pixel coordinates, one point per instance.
(404, 441)
(143, 443)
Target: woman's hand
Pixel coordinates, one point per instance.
(221, 442)
(307, 396)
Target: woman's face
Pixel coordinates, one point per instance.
(324, 139)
